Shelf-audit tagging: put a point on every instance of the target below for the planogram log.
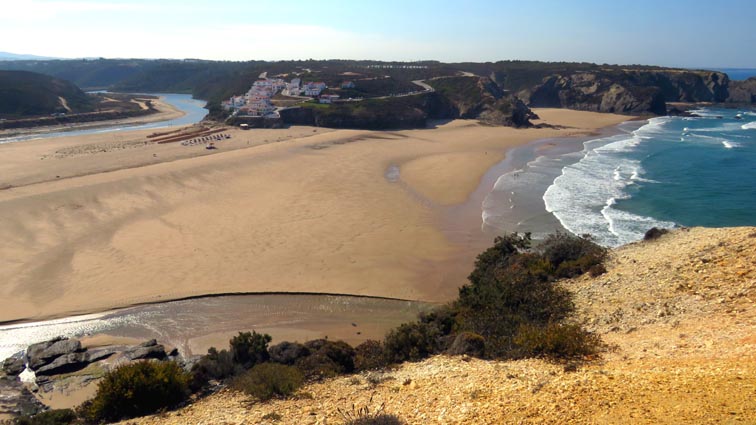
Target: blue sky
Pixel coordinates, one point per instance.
(687, 33)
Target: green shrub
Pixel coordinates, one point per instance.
(317, 366)
(504, 248)
(412, 341)
(217, 365)
(138, 389)
(50, 417)
(327, 359)
(468, 343)
(267, 380)
(570, 255)
(250, 348)
(443, 318)
(288, 352)
(557, 341)
(369, 355)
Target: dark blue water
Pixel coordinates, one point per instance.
(193, 108)
(738, 73)
(673, 171)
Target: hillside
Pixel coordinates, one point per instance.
(215, 80)
(678, 313)
(25, 94)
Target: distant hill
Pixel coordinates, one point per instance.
(25, 94)
(7, 56)
(633, 89)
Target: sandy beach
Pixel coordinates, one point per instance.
(100, 221)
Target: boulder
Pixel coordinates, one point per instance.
(16, 399)
(467, 343)
(654, 233)
(148, 350)
(101, 354)
(15, 364)
(44, 353)
(66, 363)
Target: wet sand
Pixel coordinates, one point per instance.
(292, 210)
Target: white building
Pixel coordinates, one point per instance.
(329, 98)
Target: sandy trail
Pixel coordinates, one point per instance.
(294, 210)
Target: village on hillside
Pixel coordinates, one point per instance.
(257, 102)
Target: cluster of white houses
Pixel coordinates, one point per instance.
(257, 101)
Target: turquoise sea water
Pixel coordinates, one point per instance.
(672, 171)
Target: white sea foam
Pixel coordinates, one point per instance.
(14, 338)
(729, 145)
(584, 196)
(750, 126)
(706, 113)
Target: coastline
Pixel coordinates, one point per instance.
(186, 223)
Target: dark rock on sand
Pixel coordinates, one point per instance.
(147, 350)
(66, 363)
(15, 364)
(44, 353)
(16, 399)
(101, 354)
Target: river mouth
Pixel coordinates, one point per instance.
(194, 325)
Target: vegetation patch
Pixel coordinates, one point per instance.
(268, 380)
(512, 308)
(50, 417)
(137, 389)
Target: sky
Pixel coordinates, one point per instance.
(682, 33)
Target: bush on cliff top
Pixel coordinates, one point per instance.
(137, 389)
(268, 380)
(511, 290)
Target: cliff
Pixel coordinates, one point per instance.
(678, 316)
(743, 91)
(471, 97)
(633, 91)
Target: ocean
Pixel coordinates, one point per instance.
(665, 172)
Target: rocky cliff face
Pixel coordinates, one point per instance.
(743, 91)
(481, 98)
(627, 91)
(455, 97)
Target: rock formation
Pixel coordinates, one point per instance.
(633, 91)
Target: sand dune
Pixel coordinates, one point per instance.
(300, 209)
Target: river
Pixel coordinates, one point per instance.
(194, 325)
(194, 112)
